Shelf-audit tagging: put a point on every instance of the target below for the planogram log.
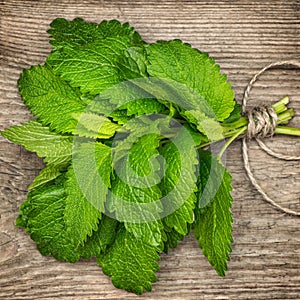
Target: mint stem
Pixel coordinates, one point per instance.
(280, 106)
(229, 141)
(287, 130)
(236, 129)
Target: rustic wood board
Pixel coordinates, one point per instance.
(243, 36)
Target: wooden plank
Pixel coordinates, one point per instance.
(243, 36)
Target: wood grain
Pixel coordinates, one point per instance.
(243, 36)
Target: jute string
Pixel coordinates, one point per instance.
(262, 123)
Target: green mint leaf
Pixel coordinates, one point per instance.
(77, 32)
(80, 216)
(124, 101)
(186, 65)
(172, 239)
(235, 114)
(52, 100)
(195, 134)
(24, 213)
(119, 124)
(133, 191)
(92, 67)
(207, 126)
(122, 196)
(100, 239)
(48, 173)
(141, 153)
(87, 183)
(213, 223)
(133, 64)
(144, 106)
(130, 263)
(42, 213)
(43, 217)
(104, 107)
(136, 161)
(94, 126)
(180, 173)
(34, 137)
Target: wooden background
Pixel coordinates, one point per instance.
(243, 36)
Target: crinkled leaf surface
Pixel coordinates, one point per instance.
(130, 263)
(94, 126)
(54, 148)
(172, 239)
(180, 177)
(77, 32)
(48, 173)
(102, 238)
(180, 62)
(50, 98)
(92, 67)
(213, 223)
(44, 215)
(136, 185)
(87, 184)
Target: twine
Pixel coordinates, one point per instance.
(262, 123)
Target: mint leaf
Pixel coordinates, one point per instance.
(128, 98)
(103, 106)
(94, 126)
(100, 239)
(92, 67)
(213, 223)
(48, 173)
(133, 64)
(142, 151)
(52, 100)
(43, 217)
(77, 32)
(137, 186)
(126, 202)
(130, 263)
(24, 213)
(186, 65)
(208, 126)
(135, 192)
(235, 114)
(143, 106)
(80, 216)
(87, 183)
(179, 184)
(54, 148)
(172, 239)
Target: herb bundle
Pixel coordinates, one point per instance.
(121, 126)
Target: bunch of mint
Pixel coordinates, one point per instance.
(121, 126)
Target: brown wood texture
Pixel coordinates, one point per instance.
(243, 36)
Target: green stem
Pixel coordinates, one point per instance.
(287, 130)
(280, 106)
(242, 121)
(229, 141)
(239, 127)
(284, 117)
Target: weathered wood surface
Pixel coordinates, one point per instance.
(243, 36)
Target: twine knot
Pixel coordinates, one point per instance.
(262, 121)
